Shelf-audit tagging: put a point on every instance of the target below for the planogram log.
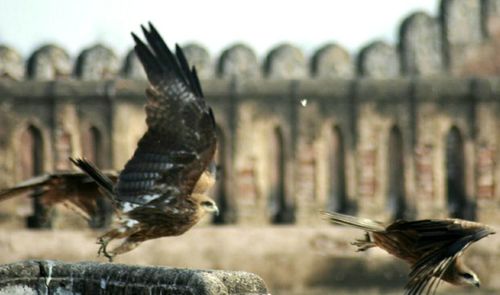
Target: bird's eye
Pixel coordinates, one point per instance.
(467, 275)
(206, 204)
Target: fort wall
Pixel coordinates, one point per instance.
(404, 130)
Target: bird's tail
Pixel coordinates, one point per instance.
(104, 183)
(357, 222)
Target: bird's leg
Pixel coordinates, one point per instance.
(104, 240)
(102, 249)
(364, 244)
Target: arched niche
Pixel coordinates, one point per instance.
(92, 145)
(31, 163)
(455, 174)
(337, 195)
(281, 211)
(396, 193)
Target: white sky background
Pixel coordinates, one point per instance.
(27, 24)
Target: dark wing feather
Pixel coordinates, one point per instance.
(437, 243)
(180, 141)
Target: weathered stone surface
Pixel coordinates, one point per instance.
(462, 31)
(133, 68)
(421, 45)
(461, 21)
(55, 277)
(198, 56)
(96, 63)
(238, 61)
(49, 62)
(491, 17)
(286, 62)
(11, 63)
(379, 60)
(332, 61)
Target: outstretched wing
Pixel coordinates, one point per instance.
(180, 140)
(437, 243)
(38, 182)
(72, 188)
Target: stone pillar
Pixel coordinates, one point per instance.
(66, 135)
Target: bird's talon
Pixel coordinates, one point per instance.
(102, 250)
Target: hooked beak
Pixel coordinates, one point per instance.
(477, 284)
(216, 211)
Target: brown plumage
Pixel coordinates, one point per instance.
(74, 189)
(433, 247)
(161, 190)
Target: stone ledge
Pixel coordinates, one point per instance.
(56, 277)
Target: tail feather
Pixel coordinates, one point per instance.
(357, 222)
(104, 182)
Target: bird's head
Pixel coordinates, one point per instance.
(460, 274)
(468, 278)
(209, 205)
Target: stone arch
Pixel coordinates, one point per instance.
(220, 191)
(337, 193)
(31, 153)
(396, 192)
(281, 211)
(455, 174)
(31, 162)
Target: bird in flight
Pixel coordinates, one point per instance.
(161, 190)
(75, 190)
(433, 247)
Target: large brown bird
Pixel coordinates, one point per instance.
(433, 247)
(74, 189)
(160, 192)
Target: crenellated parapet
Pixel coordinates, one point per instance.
(460, 40)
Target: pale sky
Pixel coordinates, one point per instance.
(74, 25)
